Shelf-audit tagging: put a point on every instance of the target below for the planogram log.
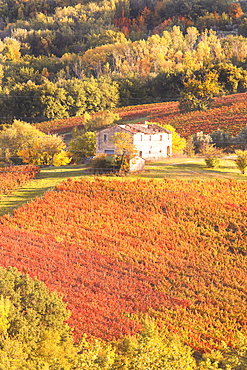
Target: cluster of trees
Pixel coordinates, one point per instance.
(215, 145)
(61, 58)
(48, 100)
(132, 16)
(33, 332)
(22, 142)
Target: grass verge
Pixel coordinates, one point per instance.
(48, 178)
(176, 168)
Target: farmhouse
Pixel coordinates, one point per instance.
(150, 140)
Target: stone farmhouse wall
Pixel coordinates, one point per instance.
(148, 145)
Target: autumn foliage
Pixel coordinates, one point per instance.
(119, 249)
(12, 177)
(228, 113)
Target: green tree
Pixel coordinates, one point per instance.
(154, 350)
(18, 136)
(198, 93)
(23, 140)
(212, 155)
(83, 146)
(34, 334)
(221, 139)
(100, 120)
(189, 147)
(123, 142)
(201, 141)
(241, 160)
(20, 100)
(124, 150)
(55, 100)
(105, 37)
(76, 92)
(232, 78)
(240, 141)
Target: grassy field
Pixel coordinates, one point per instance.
(191, 168)
(179, 168)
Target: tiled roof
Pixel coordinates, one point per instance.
(145, 128)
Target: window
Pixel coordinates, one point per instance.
(105, 138)
(160, 137)
(150, 137)
(109, 151)
(141, 138)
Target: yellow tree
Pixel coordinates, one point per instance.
(18, 136)
(4, 313)
(241, 160)
(123, 142)
(178, 143)
(50, 150)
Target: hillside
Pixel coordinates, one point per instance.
(119, 249)
(229, 113)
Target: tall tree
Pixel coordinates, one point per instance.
(33, 332)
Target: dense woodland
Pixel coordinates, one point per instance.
(64, 58)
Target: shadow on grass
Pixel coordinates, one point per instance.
(63, 172)
(46, 180)
(192, 170)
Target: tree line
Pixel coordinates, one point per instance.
(64, 58)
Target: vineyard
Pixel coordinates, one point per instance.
(117, 250)
(13, 177)
(229, 113)
(60, 126)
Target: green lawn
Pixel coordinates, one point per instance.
(191, 168)
(178, 168)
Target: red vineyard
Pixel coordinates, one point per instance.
(116, 250)
(229, 113)
(12, 177)
(60, 126)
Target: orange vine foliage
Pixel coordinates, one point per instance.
(60, 126)
(229, 113)
(173, 249)
(12, 177)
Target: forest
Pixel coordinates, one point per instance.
(63, 59)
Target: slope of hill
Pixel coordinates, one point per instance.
(118, 249)
(229, 113)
